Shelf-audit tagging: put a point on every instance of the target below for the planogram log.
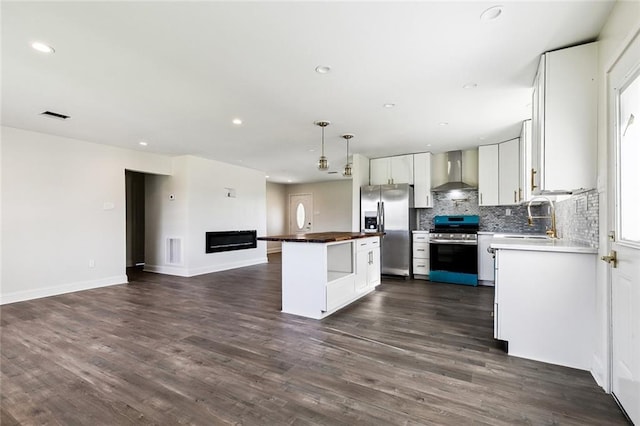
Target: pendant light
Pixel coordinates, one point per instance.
(347, 167)
(323, 163)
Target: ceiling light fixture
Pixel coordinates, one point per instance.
(389, 105)
(41, 47)
(470, 86)
(443, 123)
(491, 13)
(143, 143)
(323, 163)
(236, 121)
(323, 69)
(347, 168)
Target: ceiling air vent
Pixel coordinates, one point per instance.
(55, 115)
(332, 173)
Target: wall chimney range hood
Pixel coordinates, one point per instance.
(454, 174)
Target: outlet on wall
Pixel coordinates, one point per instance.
(92, 263)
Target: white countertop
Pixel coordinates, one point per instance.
(554, 245)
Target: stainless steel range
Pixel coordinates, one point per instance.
(453, 249)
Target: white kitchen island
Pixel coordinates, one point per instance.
(545, 300)
(324, 272)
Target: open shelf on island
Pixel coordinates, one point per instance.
(340, 260)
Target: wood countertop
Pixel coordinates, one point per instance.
(320, 237)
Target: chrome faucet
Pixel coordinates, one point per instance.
(552, 232)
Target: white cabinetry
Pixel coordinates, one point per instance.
(544, 305)
(524, 193)
(499, 174)
(488, 175)
(564, 145)
(367, 263)
(391, 170)
(320, 278)
(486, 272)
(509, 172)
(422, 180)
(421, 254)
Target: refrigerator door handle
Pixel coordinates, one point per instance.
(382, 216)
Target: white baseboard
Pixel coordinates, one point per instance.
(21, 296)
(186, 272)
(598, 373)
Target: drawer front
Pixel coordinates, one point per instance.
(367, 243)
(421, 266)
(421, 237)
(421, 250)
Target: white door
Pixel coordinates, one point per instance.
(624, 81)
(300, 213)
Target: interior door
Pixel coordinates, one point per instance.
(624, 81)
(300, 213)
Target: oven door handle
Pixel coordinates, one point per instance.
(458, 243)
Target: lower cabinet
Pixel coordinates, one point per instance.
(367, 263)
(421, 255)
(544, 305)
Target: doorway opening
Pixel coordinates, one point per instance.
(135, 221)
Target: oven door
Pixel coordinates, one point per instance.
(454, 262)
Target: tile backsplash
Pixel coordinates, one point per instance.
(576, 218)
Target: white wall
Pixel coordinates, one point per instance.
(276, 214)
(332, 204)
(63, 205)
(360, 165)
(201, 204)
(618, 31)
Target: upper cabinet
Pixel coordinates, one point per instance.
(488, 175)
(563, 145)
(422, 180)
(499, 174)
(524, 193)
(391, 170)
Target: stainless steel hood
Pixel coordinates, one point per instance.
(454, 174)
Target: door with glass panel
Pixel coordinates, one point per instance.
(300, 213)
(624, 257)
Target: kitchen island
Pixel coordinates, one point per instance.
(324, 272)
(545, 292)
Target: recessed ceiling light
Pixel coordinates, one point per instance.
(267, 176)
(41, 47)
(323, 69)
(470, 86)
(289, 180)
(237, 121)
(443, 123)
(143, 143)
(428, 144)
(482, 138)
(389, 105)
(312, 150)
(491, 13)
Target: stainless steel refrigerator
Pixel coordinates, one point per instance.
(388, 209)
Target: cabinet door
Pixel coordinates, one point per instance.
(379, 171)
(488, 175)
(524, 193)
(422, 180)
(509, 172)
(362, 269)
(401, 169)
(373, 272)
(537, 129)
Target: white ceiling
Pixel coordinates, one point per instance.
(175, 74)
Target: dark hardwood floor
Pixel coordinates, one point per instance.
(215, 349)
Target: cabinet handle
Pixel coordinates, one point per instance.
(419, 249)
(515, 196)
(520, 194)
(427, 200)
(533, 181)
(481, 198)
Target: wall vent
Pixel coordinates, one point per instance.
(174, 251)
(55, 115)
